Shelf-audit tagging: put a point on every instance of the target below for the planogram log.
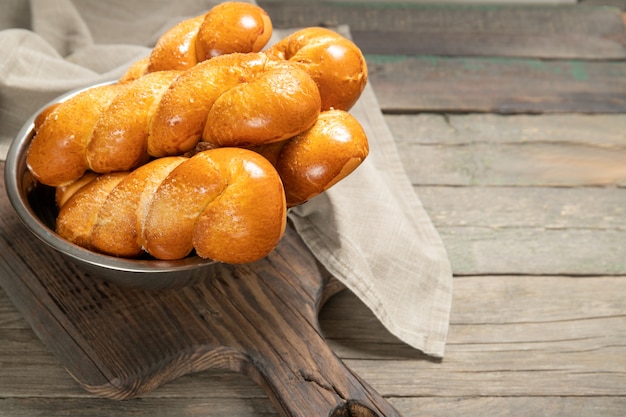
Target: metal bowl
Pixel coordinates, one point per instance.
(36, 208)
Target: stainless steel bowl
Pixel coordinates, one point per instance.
(36, 208)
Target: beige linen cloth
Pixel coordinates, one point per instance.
(370, 230)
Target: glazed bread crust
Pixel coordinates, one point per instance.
(202, 146)
(227, 204)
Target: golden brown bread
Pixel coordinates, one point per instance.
(119, 138)
(156, 207)
(234, 193)
(233, 100)
(174, 50)
(228, 204)
(315, 160)
(136, 70)
(169, 138)
(43, 115)
(64, 192)
(227, 28)
(119, 225)
(117, 127)
(233, 27)
(103, 129)
(168, 102)
(335, 63)
(56, 156)
(80, 212)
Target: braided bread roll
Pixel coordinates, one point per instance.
(315, 160)
(231, 100)
(234, 100)
(335, 63)
(226, 28)
(227, 204)
(287, 103)
(100, 125)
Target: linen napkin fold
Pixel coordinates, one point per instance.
(370, 230)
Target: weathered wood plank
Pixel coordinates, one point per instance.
(620, 4)
(546, 150)
(602, 130)
(530, 230)
(161, 407)
(512, 310)
(9, 316)
(512, 406)
(514, 207)
(409, 84)
(540, 164)
(506, 334)
(517, 370)
(466, 30)
(482, 250)
(538, 230)
(409, 407)
(527, 226)
(518, 345)
(530, 333)
(29, 369)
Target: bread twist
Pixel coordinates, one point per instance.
(231, 100)
(162, 161)
(226, 28)
(234, 100)
(315, 160)
(228, 204)
(335, 63)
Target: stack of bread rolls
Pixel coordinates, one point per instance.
(203, 145)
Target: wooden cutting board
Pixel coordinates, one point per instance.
(259, 319)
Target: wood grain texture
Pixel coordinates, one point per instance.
(507, 333)
(530, 194)
(410, 407)
(620, 4)
(599, 130)
(530, 230)
(595, 208)
(410, 84)
(524, 150)
(564, 32)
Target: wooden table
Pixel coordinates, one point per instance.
(511, 123)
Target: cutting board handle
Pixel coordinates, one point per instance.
(303, 377)
(326, 388)
(282, 348)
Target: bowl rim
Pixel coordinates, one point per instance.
(15, 166)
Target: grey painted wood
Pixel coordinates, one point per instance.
(442, 29)
(530, 194)
(410, 84)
